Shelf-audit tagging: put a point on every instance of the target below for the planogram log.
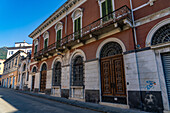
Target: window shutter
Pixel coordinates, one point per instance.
(59, 35)
(35, 49)
(109, 6)
(75, 25)
(103, 9)
(46, 41)
(79, 24)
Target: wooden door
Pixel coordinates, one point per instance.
(33, 82)
(112, 76)
(43, 81)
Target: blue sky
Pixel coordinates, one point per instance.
(18, 18)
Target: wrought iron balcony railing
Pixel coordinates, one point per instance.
(94, 28)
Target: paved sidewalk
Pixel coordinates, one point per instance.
(86, 105)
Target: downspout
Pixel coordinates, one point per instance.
(136, 43)
(136, 58)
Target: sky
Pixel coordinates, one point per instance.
(18, 18)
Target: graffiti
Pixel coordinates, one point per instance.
(150, 102)
(150, 99)
(149, 85)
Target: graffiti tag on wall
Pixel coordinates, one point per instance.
(149, 85)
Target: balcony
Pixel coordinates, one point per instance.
(118, 18)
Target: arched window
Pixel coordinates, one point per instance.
(35, 46)
(59, 28)
(162, 35)
(34, 70)
(46, 38)
(44, 67)
(110, 49)
(24, 67)
(57, 74)
(77, 22)
(78, 71)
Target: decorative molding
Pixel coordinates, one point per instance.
(56, 17)
(42, 65)
(56, 59)
(109, 40)
(154, 29)
(78, 52)
(152, 17)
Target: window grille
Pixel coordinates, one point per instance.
(110, 49)
(78, 71)
(162, 35)
(57, 74)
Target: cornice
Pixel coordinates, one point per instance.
(65, 7)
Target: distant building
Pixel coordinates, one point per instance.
(1, 68)
(23, 71)
(10, 74)
(24, 46)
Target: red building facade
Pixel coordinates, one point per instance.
(103, 51)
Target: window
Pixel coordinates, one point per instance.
(59, 35)
(6, 66)
(57, 74)
(0, 63)
(162, 35)
(106, 8)
(77, 22)
(0, 68)
(12, 62)
(16, 61)
(46, 43)
(27, 76)
(77, 27)
(18, 77)
(78, 71)
(59, 28)
(46, 37)
(34, 70)
(9, 64)
(36, 46)
(12, 52)
(24, 67)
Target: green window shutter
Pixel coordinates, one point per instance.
(78, 24)
(109, 6)
(35, 49)
(46, 43)
(75, 25)
(103, 9)
(59, 35)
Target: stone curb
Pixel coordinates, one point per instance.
(86, 105)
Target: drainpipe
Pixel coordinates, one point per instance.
(150, 2)
(134, 29)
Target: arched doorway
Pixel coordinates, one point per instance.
(113, 88)
(43, 78)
